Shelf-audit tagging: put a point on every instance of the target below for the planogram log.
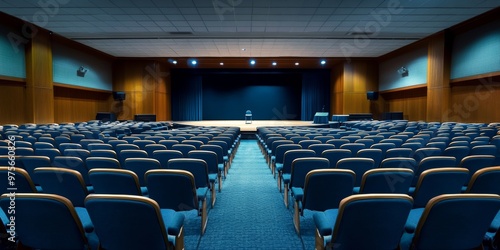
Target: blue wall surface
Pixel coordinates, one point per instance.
(66, 62)
(416, 63)
(476, 51)
(12, 56)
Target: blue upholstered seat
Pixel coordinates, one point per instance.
(102, 162)
(432, 162)
(399, 152)
(453, 221)
(300, 168)
(48, 221)
(49, 152)
(426, 152)
(75, 163)
(140, 166)
(334, 155)
(214, 175)
(459, 152)
(61, 181)
(357, 164)
(475, 162)
(399, 162)
(16, 178)
(363, 221)
(115, 181)
(373, 153)
(288, 158)
(153, 229)
(385, 180)
(175, 189)
(323, 190)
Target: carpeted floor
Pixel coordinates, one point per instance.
(249, 212)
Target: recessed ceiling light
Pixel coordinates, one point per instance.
(323, 62)
(174, 62)
(252, 62)
(194, 62)
(296, 64)
(243, 49)
(221, 63)
(274, 63)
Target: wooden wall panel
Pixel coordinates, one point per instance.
(12, 102)
(336, 90)
(78, 105)
(39, 89)
(359, 77)
(477, 102)
(146, 84)
(411, 101)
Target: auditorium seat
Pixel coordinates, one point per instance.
(376, 220)
(385, 180)
(154, 229)
(176, 190)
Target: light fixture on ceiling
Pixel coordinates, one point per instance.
(221, 64)
(323, 62)
(194, 62)
(243, 49)
(403, 71)
(275, 63)
(174, 62)
(252, 62)
(296, 64)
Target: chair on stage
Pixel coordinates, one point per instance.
(248, 117)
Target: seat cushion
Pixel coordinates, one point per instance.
(201, 193)
(173, 221)
(325, 221)
(286, 178)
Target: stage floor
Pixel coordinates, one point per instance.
(252, 127)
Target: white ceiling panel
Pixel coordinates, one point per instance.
(221, 28)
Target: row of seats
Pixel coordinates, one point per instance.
(417, 176)
(168, 181)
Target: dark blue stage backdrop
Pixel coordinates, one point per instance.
(269, 94)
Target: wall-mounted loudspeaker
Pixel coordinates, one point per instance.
(372, 95)
(119, 96)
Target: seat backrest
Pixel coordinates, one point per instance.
(32, 162)
(68, 145)
(475, 162)
(437, 181)
(306, 143)
(168, 143)
(18, 178)
(282, 149)
(72, 162)
(80, 153)
(399, 162)
(334, 155)
(131, 153)
(338, 142)
(319, 148)
(386, 180)
(197, 167)
(483, 150)
(358, 165)
(216, 149)
(142, 143)
(150, 148)
(421, 153)
(114, 143)
(433, 162)
(65, 182)
(293, 154)
(163, 156)
(103, 153)
(459, 152)
(140, 166)
(456, 221)
(325, 188)
(195, 143)
(114, 181)
(43, 227)
(383, 146)
(302, 166)
(172, 189)
(397, 142)
(485, 180)
(102, 162)
(381, 218)
(373, 153)
(354, 147)
(49, 152)
(398, 152)
(121, 147)
(209, 157)
(107, 213)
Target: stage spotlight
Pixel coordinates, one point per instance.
(323, 62)
(252, 62)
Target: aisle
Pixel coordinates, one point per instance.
(249, 213)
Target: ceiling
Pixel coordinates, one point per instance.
(246, 28)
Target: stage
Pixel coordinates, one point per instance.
(250, 127)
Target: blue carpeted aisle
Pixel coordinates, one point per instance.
(249, 213)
